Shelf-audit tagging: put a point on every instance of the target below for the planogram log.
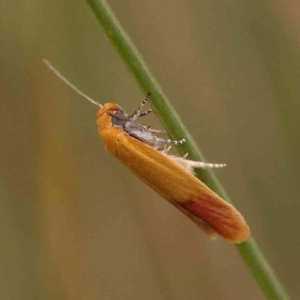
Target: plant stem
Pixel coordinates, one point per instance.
(250, 252)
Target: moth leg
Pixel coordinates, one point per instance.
(138, 113)
(201, 164)
(155, 130)
(169, 141)
(173, 141)
(145, 113)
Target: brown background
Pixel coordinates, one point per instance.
(74, 223)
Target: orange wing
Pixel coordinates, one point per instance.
(177, 185)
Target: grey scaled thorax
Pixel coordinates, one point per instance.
(143, 133)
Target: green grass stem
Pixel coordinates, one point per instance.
(253, 257)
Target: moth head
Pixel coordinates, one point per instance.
(111, 114)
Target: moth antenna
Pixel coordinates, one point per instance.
(66, 81)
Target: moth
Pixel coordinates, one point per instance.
(147, 156)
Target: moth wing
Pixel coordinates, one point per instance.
(181, 188)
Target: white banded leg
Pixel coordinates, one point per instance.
(169, 141)
(145, 113)
(201, 164)
(138, 113)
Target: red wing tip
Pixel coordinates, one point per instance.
(220, 216)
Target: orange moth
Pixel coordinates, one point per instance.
(141, 151)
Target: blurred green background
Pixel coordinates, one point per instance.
(74, 223)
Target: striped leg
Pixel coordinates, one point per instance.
(161, 140)
(145, 113)
(138, 113)
(201, 164)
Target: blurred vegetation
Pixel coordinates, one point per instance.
(76, 224)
